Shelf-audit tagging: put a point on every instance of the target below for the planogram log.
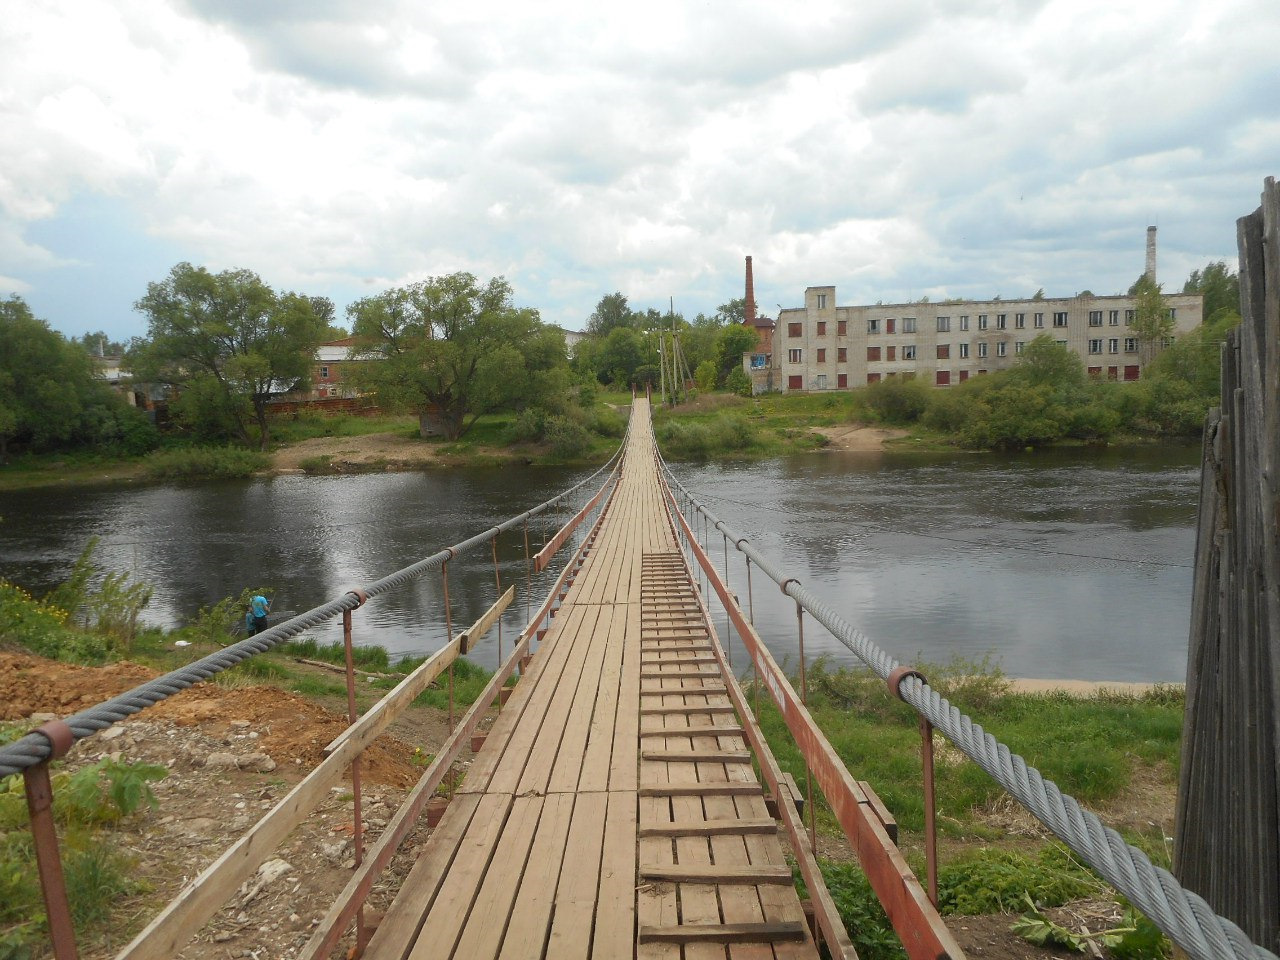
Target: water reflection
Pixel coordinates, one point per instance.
(1061, 564)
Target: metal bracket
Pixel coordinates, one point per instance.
(901, 673)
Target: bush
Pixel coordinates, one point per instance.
(530, 425)
(684, 440)
(106, 604)
(41, 627)
(899, 400)
(705, 375)
(607, 423)
(996, 881)
(737, 381)
(212, 462)
(568, 438)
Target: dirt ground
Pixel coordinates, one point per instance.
(233, 752)
(395, 450)
(855, 438)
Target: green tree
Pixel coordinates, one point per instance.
(610, 313)
(1044, 362)
(705, 375)
(735, 311)
(1152, 321)
(98, 344)
(453, 350)
(227, 342)
(621, 354)
(1220, 288)
(734, 341)
(48, 395)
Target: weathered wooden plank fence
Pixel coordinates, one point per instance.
(1228, 823)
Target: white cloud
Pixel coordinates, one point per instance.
(950, 146)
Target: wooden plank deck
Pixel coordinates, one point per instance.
(613, 810)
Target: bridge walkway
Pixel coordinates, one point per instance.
(613, 810)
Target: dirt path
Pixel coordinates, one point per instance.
(395, 451)
(858, 438)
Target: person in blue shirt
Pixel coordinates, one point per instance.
(255, 620)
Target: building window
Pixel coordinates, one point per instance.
(1131, 372)
(795, 329)
(1095, 346)
(822, 355)
(1018, 347)
(1060, 318)
(1000, 348)
(758, 361)
(842, 354)
(964, 375)
(1095, 318)
(1113, 318)
(1113, 373)
(873, 326)
(822, 301)
(1038, 321)
(944, 351)
(982, 349)
(795, 355)
(944, 324)
(820, 382)
(822, 328)
(982, 321)
(1020, 321)
(964, 351)
(1001, 320)
(795, 382)
(842, 328)
(964, 323)
(1128, 317)
(842, 381)
(1061, 343)
(873, 353)
(891, 353)
(909, 352)
(324, 373)
(1130, 344)
(1113, 345)
(908, 324)
(1173, 313)
(1095, 373)
(942, 378)
(889, 325)
(873, 378)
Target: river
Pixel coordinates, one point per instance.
(1055, 564)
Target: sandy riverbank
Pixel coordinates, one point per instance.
(1082, 688)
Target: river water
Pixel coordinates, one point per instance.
(1057, 564)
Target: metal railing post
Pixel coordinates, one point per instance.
(927, 767)
(45, 838)
(357, 832)
(448, 627)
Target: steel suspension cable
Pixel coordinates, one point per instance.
(1181, 914)
(35, 748)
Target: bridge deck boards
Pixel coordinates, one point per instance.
(541, 853)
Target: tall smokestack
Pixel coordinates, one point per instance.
(749, 313)
(1151, 254)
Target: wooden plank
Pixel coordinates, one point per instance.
(556, 763)
(709, 731)
(394, 935)
(576, 893)
(752, 874)
(531, 915)
(476, 632)
(726, 933)
(613, 937)
(709, 828)
(487, 916)
(685, 756)
(699, 789)
(685, 708)
(444, 921)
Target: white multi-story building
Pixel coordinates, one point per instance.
(822, 346)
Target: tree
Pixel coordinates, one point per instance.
(453, 350)
(228, 343)
(1038, 295)
(735, 311)
(610, 313)
(705, 375)
(100, 345)
(1046, 363)
(48, 395)
(734, 341)
(1152, 321)
(621, 354)
(1220, 288)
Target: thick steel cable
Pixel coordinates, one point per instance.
(1181, 914)
(34, 748)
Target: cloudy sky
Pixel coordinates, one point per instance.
(894, 149)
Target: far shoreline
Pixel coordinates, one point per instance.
(1087, 688)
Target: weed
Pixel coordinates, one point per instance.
(995, 881)
(205, 462)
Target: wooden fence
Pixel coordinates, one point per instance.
(1228, 821)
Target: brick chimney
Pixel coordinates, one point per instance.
(1151, 254)
(749, 312)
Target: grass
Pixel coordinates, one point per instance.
(182, 463)
(307, 425)
(1088, 746)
